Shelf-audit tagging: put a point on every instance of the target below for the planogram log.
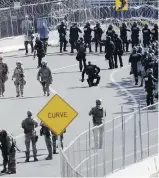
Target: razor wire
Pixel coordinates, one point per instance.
(71, 11)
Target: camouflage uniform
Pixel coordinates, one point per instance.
(45, 78)
(47, 134)
(8, 152)
(54, 138)
(97, 113)
(19, 80)
(29, 126)
(3, 77)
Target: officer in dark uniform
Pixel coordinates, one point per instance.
(146, 36)
(118, 50)
(98, 36)
(110, 32)
(154, 33)
(39, 47)
(134, 59)
(149, 86)
(109, 50)
(93, 73)
(135, 34)
(155, 74)
(123, 36)
(87, 36)
(62, 35)
(81, 54)
(74, 35)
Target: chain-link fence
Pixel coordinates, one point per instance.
(79, 11)
(115, 145)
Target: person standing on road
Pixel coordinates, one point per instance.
(110, 32)
(7, 145)
(81, 54)
(87, 35)
(43, 32)
(118, 51)
(97, 113)
(154, 33)
(74, 35)
(3, 76)
(29, 125)
(39, 47)
(98, 32)
(123, 36)
(45, 77)
(135, 34)
(28, 31)
(62, 36)
(146, 36)
(19, 79)
(48, 140)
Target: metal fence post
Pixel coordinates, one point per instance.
(89, 150)
(113, 146)
(148, 133)
(140, 131)
(104, 154)
(79, 153)
(123, 136)
(135, 137)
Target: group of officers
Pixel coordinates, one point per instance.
(8, 143)
(144, 64)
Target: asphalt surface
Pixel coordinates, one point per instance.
(66, 83)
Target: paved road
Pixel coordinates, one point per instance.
(66, 83)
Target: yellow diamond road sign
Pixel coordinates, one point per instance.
(57, 114)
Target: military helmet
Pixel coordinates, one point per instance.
(89, 62)
(43, 63)
(3, 133)
(1, 58)
(88, 23)
(150, 71)
(98, 101)
(29, 113)
(19, 63)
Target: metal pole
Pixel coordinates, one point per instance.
(11, 22)
(140, 132)
(113, 146)
(135, 137)
(103, 137)
(79, 153)
(59, 146)
(123, 136)
(87, 153)
(89, 150)
(148, 133)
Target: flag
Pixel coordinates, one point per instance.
(121, 5)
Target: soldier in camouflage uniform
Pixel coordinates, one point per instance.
(97, 114)
(29, 125)
(19, 79)
(47, 134)
(54, 138)
(8, 145)
(3, 76)
(45, 77)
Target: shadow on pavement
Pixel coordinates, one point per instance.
(22, 98)
(65, 72)
(78, 87)
(138, 92)
(24, 157)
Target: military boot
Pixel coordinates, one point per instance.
(49, 157)
(4, 170)
(27, 157)
(36, 159)
(18, 95)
